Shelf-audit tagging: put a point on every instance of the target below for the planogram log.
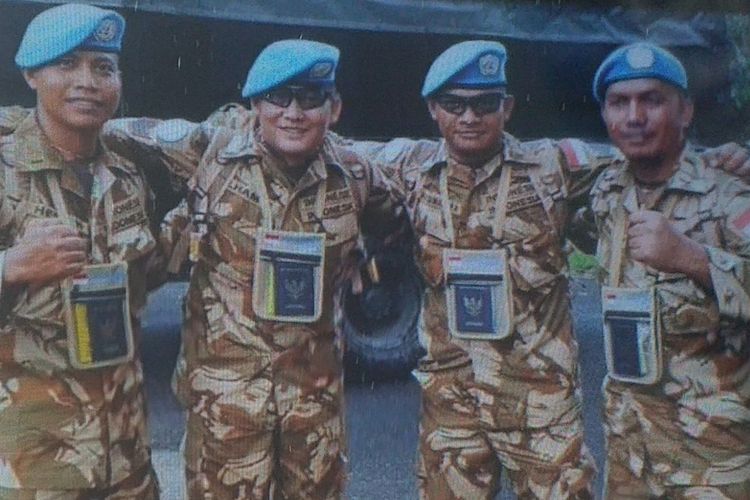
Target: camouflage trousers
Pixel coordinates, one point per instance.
(141, 485)
(653, 452)
(462, 450)
(276, 434)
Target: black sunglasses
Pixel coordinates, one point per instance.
(481, 104)
(306, 97)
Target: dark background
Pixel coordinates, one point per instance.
(185, 66)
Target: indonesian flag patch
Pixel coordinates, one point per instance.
(575, 153)
(741, 223)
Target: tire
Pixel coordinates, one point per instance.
(380, 324)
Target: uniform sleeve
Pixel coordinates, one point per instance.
(582, 164)
(383, 215)
(174, 237)
(233, 116)
(730, 265)
(11, 116)
(177, 145)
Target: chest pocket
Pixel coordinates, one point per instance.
(532, 228)
(224, 192)
(429, 229)
(341, 225)
(26, 204)
(129, 235)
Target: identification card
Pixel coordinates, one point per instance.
(631, 334)
(288, 277)
(97, 311)
(478, 297)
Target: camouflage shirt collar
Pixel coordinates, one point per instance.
(33, 151)
(690, 175)
(316, 170)
(512, 151)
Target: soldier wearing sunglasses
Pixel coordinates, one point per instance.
(505, 394)
(500, 382)
(271, 222)
(500, 378)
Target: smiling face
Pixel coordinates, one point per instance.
(471, 138)
(292, 133)
(647, 119)
(78, 92)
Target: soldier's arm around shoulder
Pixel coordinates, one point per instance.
(729, 264)
(377, 197)
(582, 162)
(396, 159)
(177, 145)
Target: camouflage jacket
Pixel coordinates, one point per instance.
(705, 386)
(548, 179)
(64, 428)
(217, 161)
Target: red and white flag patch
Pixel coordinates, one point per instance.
(576, 154)
(741, 223)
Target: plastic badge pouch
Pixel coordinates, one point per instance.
(288, 281)
(632, 336)
(97, 313)
(478, 295)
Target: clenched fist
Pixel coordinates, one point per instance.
(653, 241)
(49, 252)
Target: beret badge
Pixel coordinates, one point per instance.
(640, 57)
(107, 31)
(321, 70)
(489, 64)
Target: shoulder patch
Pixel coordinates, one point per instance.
(575, 154)
(741, 223)
(173, 130)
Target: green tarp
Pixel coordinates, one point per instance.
(531, 21)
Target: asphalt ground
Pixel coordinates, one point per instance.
(382, 418)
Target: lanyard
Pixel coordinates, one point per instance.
(500, 204)
(265, 202)
(619, 233)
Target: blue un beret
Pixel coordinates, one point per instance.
(639, 60)
(474, 64)
(302, 62)
(65, 28)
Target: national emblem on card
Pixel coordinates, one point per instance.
(474, 308)
(294, 288)
(288, 276)
(477, 294)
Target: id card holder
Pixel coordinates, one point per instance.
(478, 298)
(97, 316)
(632, 336)
(288, 279)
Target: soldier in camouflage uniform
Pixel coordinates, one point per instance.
(65, 203)
(512, 402)
(263, 397)
(670, 224)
